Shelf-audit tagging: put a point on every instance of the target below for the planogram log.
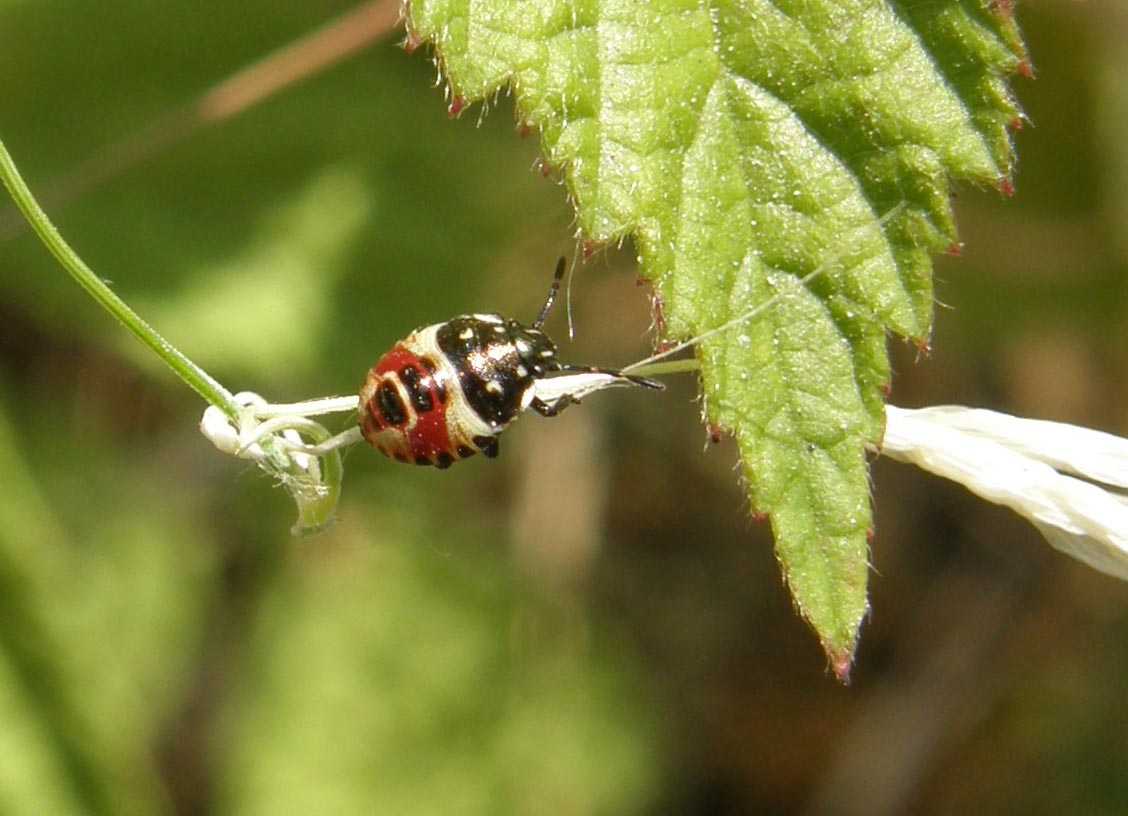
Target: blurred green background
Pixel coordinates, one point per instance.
(588, 625)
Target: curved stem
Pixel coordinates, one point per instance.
(194, 376)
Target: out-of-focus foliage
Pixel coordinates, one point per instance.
(165, 645)
(406, 669)
(102, 608)
(580, 626)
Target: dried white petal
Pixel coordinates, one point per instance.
(1016, 462)
(574, 386)
(1095, 455)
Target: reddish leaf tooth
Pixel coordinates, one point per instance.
(658, 321)
(841, 665)
(456, 106)
(1004, 8)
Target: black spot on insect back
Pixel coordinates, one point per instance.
(418, 391)
(432, 369)
(497, 360)
(390, 404)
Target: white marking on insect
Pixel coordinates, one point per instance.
(574, 386)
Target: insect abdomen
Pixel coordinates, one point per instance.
(403, 405)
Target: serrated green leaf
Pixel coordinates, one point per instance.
(751, 150)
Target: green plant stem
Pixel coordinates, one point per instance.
(194, 376)
(657, 368)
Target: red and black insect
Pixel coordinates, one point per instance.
(447, 391)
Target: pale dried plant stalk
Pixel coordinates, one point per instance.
(1070, 482)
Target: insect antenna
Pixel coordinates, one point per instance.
(552, 292)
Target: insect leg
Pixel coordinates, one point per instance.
(551, 409)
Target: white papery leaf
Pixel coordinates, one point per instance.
(1095, 455)
(1018, 463)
